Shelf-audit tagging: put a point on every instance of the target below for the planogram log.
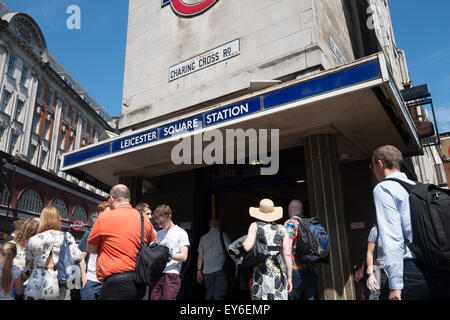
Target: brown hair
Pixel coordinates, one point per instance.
(162, 210)
(17, 223)
(390, 155)
(28, 229)
(141, 206)
(102, 206)
(8, 252)
(50, 219)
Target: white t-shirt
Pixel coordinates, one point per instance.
(91, 273)
(175, 238)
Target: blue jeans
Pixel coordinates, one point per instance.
(422, 283)
(304, 284)
(91, 290)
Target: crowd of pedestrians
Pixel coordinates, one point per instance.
(266, 260)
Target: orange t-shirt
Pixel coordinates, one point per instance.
(117, 234)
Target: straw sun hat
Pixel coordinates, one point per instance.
(267, 211)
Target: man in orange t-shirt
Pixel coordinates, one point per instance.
(116, 238)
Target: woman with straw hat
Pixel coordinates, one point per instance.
(272, 279)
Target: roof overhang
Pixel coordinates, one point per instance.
(359, 101)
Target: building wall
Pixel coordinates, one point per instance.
(53, 118)
(277, 39)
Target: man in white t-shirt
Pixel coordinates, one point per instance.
(176, 238)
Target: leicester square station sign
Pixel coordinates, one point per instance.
(189, 9)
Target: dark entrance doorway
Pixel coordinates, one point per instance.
(232, 205)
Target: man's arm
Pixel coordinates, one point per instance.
(92, 249)
(199, 268)
(391, 234)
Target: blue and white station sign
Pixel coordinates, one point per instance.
(181, 127)
(233, 111)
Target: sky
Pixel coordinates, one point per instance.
(95, 54)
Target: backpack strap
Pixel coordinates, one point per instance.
(405, 185)
(408, 187)
(142, 229)
(222, 242)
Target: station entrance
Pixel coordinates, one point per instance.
(231, 206)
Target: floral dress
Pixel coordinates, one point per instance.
(269, 278)
(43, 282)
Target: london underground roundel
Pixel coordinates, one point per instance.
(189, 9)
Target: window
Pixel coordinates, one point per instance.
(58, 165)
(36, 120)
(40, 91)
(12, 144)
(5, 197)
(18, 111)
(31, 153)
(23, 77)
(62, 208)
(42, 159)
(94, 218)
(30, 201)
(61, 140)
(79, 214)
(73, 118)
(50, 99)
(47, 130)
(11, 65)
(70, 144)
(5, 100)
(2, 130)
(65, 110)
(84, 126)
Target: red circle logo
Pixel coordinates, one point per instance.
(189, 10)
(77, 225)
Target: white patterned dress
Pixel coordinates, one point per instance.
(43, 282)
(269, 278)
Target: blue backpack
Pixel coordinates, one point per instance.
(313, 242)
(69, 273)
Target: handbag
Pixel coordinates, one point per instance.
(257, 255)
(151, 261)
(69, 273)
(229, 266)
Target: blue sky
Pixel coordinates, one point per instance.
(95, 55)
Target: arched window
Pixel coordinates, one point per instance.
(5, 196)
(94, 217)
(30, 201)
(62, 208)
(79, 214)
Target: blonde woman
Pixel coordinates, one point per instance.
(10, 279)
(42, 255)
(26, 230)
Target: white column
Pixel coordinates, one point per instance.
(55, 134)
(29, 112)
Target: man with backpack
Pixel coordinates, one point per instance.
(304, 275)
(402, 228)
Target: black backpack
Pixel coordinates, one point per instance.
(313, 242)
(151, 261)
(430, 223)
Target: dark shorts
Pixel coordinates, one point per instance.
(167, 287)
(121, 286)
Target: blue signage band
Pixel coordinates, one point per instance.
(342, 79)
